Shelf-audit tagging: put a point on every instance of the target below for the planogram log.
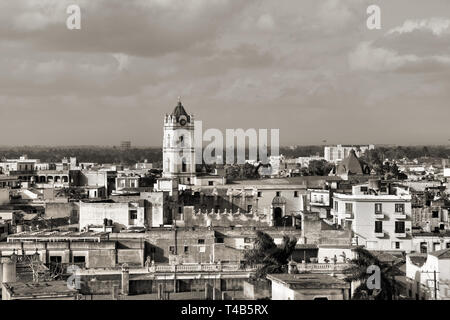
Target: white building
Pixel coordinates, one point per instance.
(447, 172)
(178, 146)
(426, 242)
(379, 221)
(339, 152)
(151, 210)
(428, 277)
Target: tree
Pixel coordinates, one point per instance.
(359, 272)
(267, 256)
(319, 168)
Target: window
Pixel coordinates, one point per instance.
(364, 189)
(295, 194)
(186, 249)
(182, 141)
(448, 245)
(219, 240)
(436, 246)
(249, 208)
(336, 205)
(278, 193)
(55, 259)
(349, 207)
(259, 194)
(378, 208)
(423, 247)
(378, 226)
(399, 207)
(247, 240)
(180, 210)
(79, 259)
(321, 199)
(172, 249)
(399, 227)
(201, 241)
(435, 214)
(133, 214)
(397, 245)
(210, 183)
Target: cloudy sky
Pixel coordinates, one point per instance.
(309, 68)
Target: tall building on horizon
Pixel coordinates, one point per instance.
(178, 146)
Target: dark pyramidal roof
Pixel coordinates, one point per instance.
(179, 111)
(351, 165)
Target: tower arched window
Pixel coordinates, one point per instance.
(183, 165)
(182, 141)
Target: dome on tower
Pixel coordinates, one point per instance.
(179, 111)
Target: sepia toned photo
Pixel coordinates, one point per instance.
(221, 156)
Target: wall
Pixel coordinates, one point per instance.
(95, 213)
(4, 196)
(254, 290)
(62, 210)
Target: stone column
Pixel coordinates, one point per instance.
(125, 280)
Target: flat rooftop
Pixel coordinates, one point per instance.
(58, 235)
(48, 289)
(309, 281)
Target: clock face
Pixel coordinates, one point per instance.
(183, 121)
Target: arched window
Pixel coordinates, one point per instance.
(182, 141)
(183, 165)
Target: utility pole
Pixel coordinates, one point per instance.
(434, 280)
(435, 285)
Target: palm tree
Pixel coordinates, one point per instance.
(267, 256)
(359, 272)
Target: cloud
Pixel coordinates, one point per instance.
(122, 60)
(367, 57)
(438, 26)
(265, 22)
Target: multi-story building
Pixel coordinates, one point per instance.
(339, 152)
(379, 220)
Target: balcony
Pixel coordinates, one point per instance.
(379, 215)
(379, 234)
(400, 215)
(348, 215)
(400, 234)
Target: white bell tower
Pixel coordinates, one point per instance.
(178, 146)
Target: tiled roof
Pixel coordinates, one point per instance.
(441, 254)
(350, 165)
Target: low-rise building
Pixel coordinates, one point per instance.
(312, 286)
(428, 275)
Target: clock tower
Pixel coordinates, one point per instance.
(178, 146)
